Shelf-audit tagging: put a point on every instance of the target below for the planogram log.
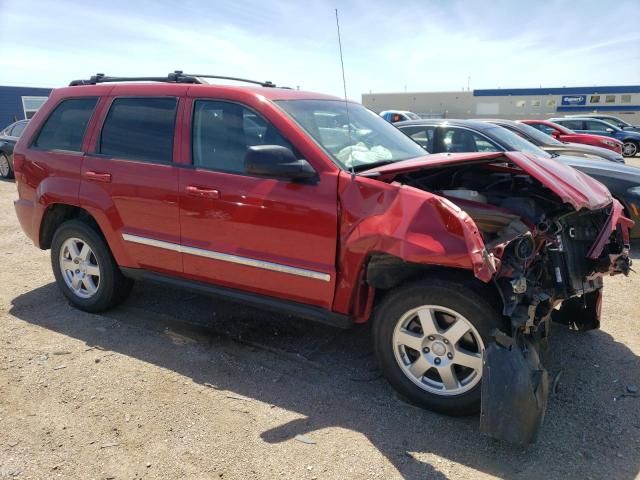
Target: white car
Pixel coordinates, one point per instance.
(393, 116)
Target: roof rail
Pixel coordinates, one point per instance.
(176, 77)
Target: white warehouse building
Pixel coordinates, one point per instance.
(514, 103)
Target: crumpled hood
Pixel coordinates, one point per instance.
(570, 185)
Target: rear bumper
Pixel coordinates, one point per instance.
(25, 212)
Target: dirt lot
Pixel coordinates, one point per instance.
(177, 386)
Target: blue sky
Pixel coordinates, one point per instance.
(421, 45)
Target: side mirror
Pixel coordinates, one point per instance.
(609, 130)
(555, 134)
(275, 161)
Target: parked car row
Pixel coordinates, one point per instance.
(8, 138)
(605, 131)
(315, 206)
(458, 136)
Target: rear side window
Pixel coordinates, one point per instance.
(17, 130)
(140, 129)
(422, 135)
(65, 127)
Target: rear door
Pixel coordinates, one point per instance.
(131, 176)
(265, 235)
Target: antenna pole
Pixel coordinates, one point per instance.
(344, 86)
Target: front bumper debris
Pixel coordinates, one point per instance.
(515, 388)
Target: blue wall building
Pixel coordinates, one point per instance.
(515, 103)
(18, 103)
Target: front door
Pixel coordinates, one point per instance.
(267, 236)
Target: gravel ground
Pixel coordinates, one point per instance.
(173, 385)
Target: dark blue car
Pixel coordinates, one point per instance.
(595, 126)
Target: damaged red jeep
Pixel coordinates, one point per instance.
(317, 207)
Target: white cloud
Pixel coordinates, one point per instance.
(423, 45)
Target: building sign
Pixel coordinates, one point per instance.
(574, 99)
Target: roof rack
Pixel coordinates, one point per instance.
(176, 77)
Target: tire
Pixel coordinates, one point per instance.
(630, 148)
(6, 172)
(102, 285)
(452, 302)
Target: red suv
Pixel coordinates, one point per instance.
(315, 206)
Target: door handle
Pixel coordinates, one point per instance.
(97, 176)
(202, 192)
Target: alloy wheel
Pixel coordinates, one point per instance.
(629, 149)
(439, 350)
(79, 267)
(4, 166)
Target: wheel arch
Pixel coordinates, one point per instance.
(383, 273)
(58, 213)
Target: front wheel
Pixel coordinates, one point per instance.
(429, 338)
(629, 149)
(6, 172)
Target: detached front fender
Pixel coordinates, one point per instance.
(411, 224)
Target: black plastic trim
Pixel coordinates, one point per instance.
(308, 312)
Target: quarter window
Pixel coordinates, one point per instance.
(140, 129)
(224, 131)
(65, 127)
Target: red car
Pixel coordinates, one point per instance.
(294, 201)
(564, 134)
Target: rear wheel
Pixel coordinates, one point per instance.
(85, 270)
(429, 338)
(629, 148)
(6, 171)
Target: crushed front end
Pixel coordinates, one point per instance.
(550, 236)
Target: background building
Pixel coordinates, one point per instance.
(514, 103)
(18, 103)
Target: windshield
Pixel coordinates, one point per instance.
(538, 135)
(412, 116)
(357, 139)
(515, 142)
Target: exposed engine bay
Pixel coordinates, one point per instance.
(543, 249)
(549, 261)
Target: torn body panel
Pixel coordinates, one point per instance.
(413, 225)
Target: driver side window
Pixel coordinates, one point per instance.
(223, 132)
(597, 126)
